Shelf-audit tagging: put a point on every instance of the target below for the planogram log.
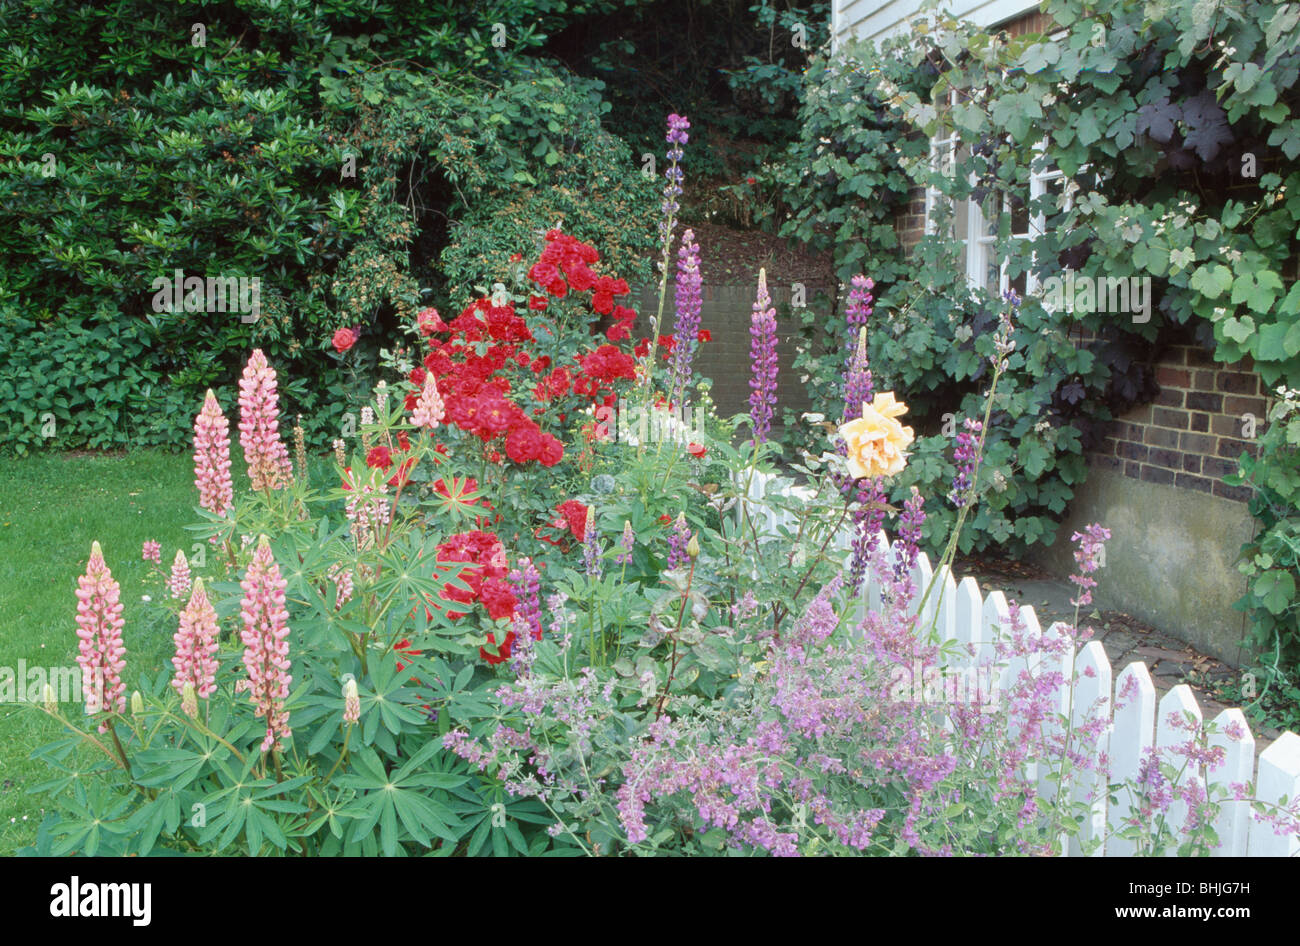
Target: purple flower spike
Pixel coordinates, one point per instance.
(762, 332)
(686, 328)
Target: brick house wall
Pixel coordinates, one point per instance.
(1191, 435)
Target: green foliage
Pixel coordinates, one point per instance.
(1175, 149)
(1271, 561)
(231, 154)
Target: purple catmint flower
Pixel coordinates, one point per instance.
(686, 326)
(965, 456)
(678, 539)
(1088, 556)
(762, 332)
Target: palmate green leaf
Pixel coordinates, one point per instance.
(173, 767)
(390, 799)
(91, 818)
(149, 820)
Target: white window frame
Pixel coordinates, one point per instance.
(978, 243)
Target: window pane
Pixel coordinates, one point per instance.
(1019, 214)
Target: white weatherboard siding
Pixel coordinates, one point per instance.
(874, 20)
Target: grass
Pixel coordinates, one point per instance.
(54, 506)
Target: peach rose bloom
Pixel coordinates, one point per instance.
(877, 441)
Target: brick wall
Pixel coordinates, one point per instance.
(1191, 435)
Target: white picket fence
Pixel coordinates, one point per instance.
(965, 616)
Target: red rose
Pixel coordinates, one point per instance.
(498, 599)
(749, 180)
(344, 339)
(430, 321)
(552, 451)
(524, 443)
(379, 458)
(503, 653)
(697, 450)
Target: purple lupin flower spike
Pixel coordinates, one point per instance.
(527, 581)
(762, 331)
(629, 541)
(591, 550)
(909, 531)
(867, 520)
(859, 310)
(677, 125)
(965, 456)
(686, 326)
(678, 539)
(857, 379)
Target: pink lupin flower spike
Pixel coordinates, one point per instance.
(99, 629)
(266, 644)
(196, 645)
(212, 457)
(151, 551)
(259, 429)
(179, 582)
(429, 409)
(351, 701)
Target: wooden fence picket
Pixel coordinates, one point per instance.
(1091, 716)
(1132, 735)
(1279, 780)
(1176, 716)
(1233, 824)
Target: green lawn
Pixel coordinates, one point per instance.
(51, 508)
